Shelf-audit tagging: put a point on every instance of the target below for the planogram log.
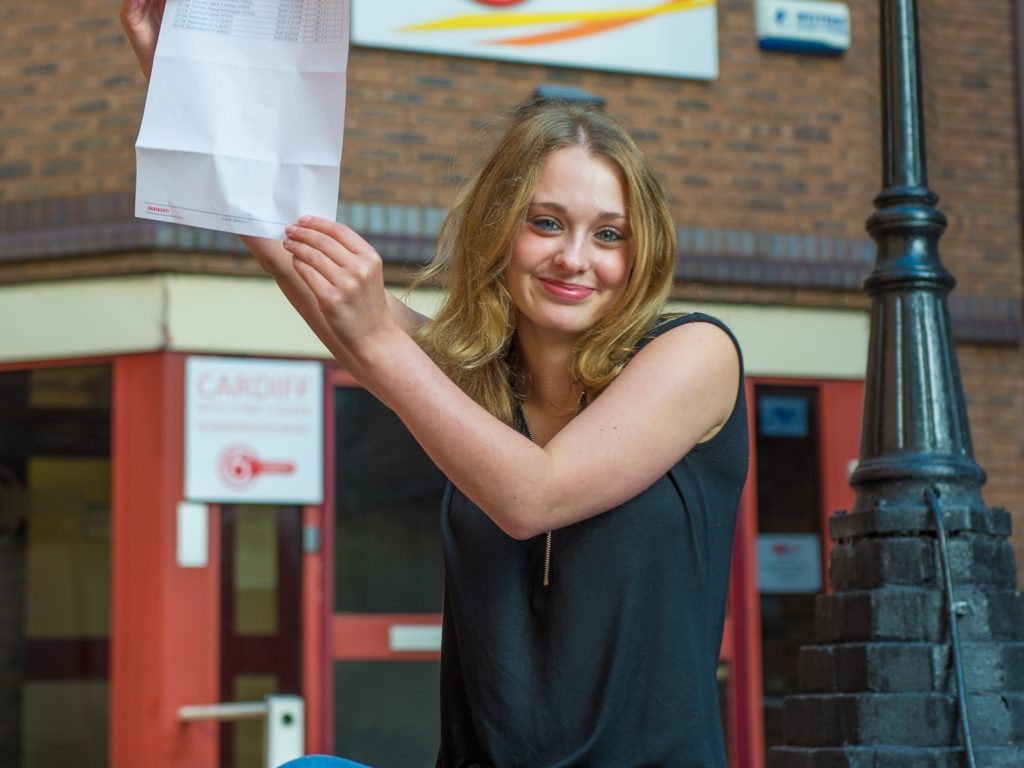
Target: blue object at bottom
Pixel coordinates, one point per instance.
(322, 761)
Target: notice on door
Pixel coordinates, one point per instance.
(789, 563)
(253, 431)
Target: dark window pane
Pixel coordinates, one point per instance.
(55, 477)
(386, 712)
(387, 499)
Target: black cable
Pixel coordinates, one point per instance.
(954, 634)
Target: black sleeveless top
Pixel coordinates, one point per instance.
(613, 664)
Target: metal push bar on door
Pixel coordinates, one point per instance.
(284, 723)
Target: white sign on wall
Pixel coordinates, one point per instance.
(677, 38)
(803, 26)
(253, 430)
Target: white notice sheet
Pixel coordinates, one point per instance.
(245, 113)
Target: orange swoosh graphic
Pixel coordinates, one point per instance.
(585, 23)
(568, 33)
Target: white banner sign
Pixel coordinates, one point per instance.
(253, 431)
(678, 38)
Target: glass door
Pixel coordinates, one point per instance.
(388, 582)
(789, 541)
(261, 587)
(55, 566)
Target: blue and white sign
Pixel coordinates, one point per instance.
(803, 26)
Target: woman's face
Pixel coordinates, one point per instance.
(572, 257)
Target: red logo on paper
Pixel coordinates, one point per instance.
(157, 209)
(784, 549)
(239, 466)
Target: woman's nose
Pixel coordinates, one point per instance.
(572, 255)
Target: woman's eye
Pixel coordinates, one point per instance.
(608, 235)
(545, 223)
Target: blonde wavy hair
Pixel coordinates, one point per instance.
(472, 337)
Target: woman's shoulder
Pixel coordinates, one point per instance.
(708, 342)
(670, 321)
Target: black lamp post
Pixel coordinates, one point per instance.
(915, 435)
(887, 685)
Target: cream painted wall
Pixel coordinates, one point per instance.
(53, 320)
(248, 316)
(802, 343)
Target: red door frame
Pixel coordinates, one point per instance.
(350, 637)
(840, 407)
(148, 679)
(165, 620)
(175, 646)
(278, 653)
(840, 404)
(364, 637)
(742, 637)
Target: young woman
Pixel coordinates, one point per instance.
(595, 449)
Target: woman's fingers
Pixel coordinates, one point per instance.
(343, 234)
(332, 273)
(323, 243)
(350, 253)
(349, 274)
(323, 289)
(141, 21)
(347, 284)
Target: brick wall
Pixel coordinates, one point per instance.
(70, 103)
(777, 144)
(973, 153)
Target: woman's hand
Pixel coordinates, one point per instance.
(345, 275)
(141, 21)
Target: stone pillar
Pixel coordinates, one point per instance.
(878, 690)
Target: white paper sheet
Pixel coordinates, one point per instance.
(244, 117)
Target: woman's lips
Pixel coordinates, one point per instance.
(569, 291)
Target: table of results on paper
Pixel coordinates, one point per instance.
(297, 21)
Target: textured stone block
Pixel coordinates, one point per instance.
(912, 614)
(892, 757)
(996, 718)
(993, 666)
(873, 668)
(904, 719)
(912, 667)
(873, 562)
(892, 520)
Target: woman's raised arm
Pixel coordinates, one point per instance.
(678, 390)
(279, 264)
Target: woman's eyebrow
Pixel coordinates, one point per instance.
(562, 209)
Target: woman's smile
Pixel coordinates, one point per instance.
(568, 291)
